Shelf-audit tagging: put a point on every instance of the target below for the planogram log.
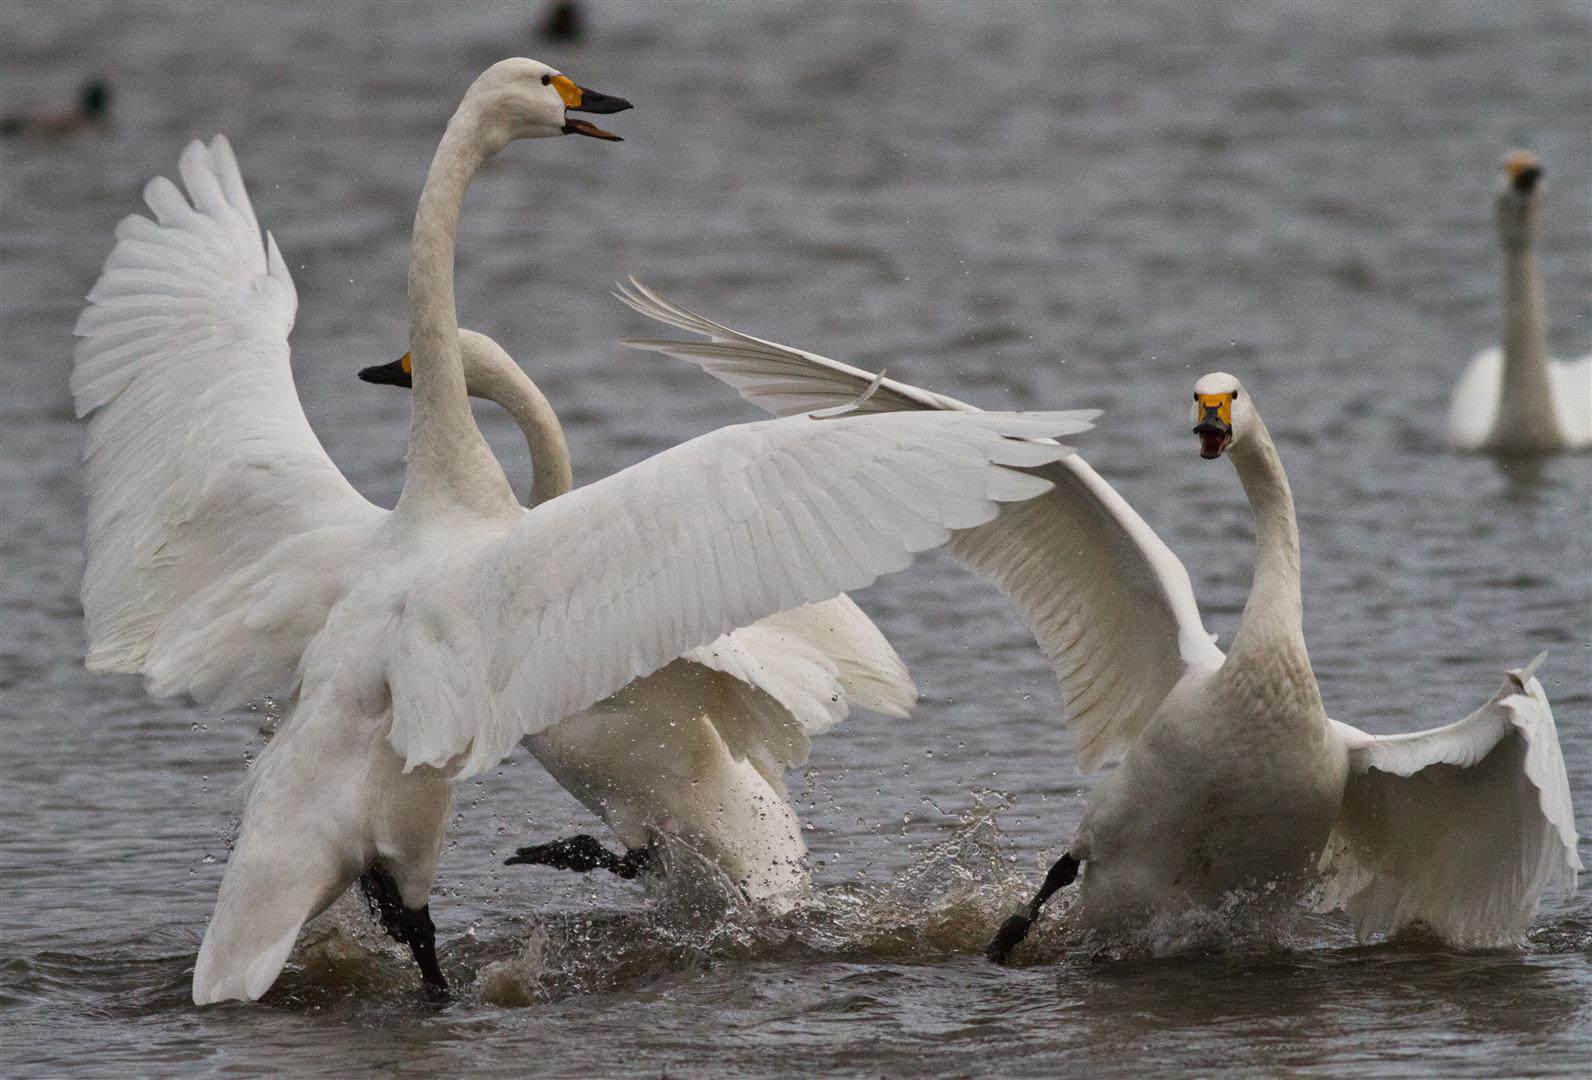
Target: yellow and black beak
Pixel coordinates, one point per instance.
(1523, 170)
(397, 373)
(1214, 413)
(579, 99)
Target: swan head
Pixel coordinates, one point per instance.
(1519, 198)
(1223, 415)
(526, 99)
(486, 367)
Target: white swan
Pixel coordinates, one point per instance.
(696, 751)
(227, 556)
(1228, 771)
(1515, 400)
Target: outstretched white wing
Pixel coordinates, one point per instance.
(1461, 827)
(501, 637)
(1108, 602)
(203, 476)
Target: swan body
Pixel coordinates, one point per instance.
(227, 555)
(696, 752)
(1514, 399)
(1229, 773)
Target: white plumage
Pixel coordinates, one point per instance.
(1229, 771)
(1490, 784)
(227, 556)
(697, 751)
(1514, 399)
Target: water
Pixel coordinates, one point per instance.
(1019, 205)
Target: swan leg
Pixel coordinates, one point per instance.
(584, 854)
(407, 926)
(1014, 929)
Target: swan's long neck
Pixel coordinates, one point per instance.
(1270, 642)
(544, 435)
(1525, 410)
(450, 463)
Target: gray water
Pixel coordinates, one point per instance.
(1080, 206)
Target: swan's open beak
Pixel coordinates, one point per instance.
(1215, 427)
(397, 373)
(579, 99)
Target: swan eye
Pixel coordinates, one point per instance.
(547, 80)
(1235, 395)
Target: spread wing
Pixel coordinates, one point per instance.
(1108, 602)
(504, 636)
(1461, 827)
(205, 483)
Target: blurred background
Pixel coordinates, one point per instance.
(1021, 205)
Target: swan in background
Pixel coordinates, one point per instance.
(696, 751)
(227, 555)
(1515, 400)
(1229, 773)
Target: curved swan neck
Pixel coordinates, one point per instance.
(449, 462)
(1273, 619)
(544, 435)
(1525, 409)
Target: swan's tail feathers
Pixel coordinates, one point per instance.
(270, 890)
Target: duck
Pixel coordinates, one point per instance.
(1514, 400)
(228, 557)
(696, 752)
(1223, 773)
(92, 110)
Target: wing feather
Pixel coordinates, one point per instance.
(623, 560)
(203, 476)
(815, 661)
(1461, 828)
(1109, 603)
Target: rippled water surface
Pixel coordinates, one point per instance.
(1020, 205)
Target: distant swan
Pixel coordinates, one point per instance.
(1515, 400)
(1229, 773)
(696, 751)
(227, 555)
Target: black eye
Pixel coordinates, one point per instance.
(1235, 395)
(547, 80)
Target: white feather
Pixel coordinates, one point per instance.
(1460, 828)
(1108, 602)
(1230, 773)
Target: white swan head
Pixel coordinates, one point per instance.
(1519, 198)
(525, 99)
(1223, 414)
(486, 367)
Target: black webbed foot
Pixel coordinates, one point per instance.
(407, 926)
(583, 854)
(1016, 928)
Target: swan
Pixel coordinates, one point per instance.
(228, 557)
(696, 751)
(1515, 400)
(1228, 772)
